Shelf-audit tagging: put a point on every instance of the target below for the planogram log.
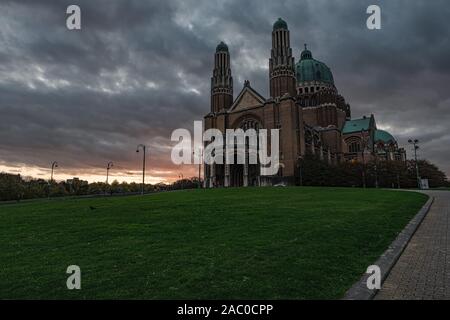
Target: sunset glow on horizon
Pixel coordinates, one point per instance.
(99, 174)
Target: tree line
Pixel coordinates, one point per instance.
(15, 187)
(385, 174)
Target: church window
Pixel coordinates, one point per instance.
(354, 147)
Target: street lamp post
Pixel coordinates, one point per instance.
(110, 165)
(54, 165)
(363, 149)
(182, 182)
(143, 147)
(415, 144)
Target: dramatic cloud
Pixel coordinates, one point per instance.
(139, 69)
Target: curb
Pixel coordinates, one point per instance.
(387, 260)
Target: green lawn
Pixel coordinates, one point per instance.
(292, 243)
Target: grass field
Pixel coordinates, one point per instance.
(258, 243)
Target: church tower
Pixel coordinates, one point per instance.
(281, 62)
(221, 81)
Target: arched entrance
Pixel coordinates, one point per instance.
(240, 175)
(245, 175)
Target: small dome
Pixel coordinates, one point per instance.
(280, 24)
(309, 69)
(306, 54)
(383, 136)
(222, 47)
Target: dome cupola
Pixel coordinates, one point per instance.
(306, 54)
(222, 47)
(280, 24)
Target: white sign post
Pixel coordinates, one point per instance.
(424, 184)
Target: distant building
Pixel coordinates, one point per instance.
(304, 104)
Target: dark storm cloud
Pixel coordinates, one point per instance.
(139, 69)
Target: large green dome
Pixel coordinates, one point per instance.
(309, 69)
(383, 136)
(280, 24)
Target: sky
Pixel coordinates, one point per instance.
(138, 69)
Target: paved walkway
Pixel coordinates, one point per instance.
(423, 270)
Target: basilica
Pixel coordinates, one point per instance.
(313, 118)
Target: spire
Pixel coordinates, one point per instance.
(281, 62)
(221, 81)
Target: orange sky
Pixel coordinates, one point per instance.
(99, 175)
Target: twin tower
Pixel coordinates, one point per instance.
(281, 70)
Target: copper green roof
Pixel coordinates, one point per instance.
(309, 69)
(383, 136)
(356, 125)
(280, 24)
(222, 47)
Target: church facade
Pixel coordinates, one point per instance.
(306, 107)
